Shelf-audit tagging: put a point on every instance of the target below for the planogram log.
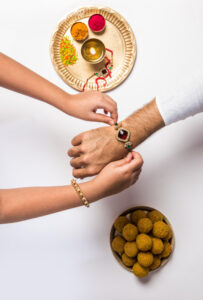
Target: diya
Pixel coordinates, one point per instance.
(93, 51)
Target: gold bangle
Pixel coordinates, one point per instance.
(80, 193)
(123, 135)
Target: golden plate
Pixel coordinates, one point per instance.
(113, 233)
(118, 36)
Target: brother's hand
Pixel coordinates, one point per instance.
(93, 150)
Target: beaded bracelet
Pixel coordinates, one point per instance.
(79, 192)
(123, 135)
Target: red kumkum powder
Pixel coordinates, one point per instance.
(97, 22)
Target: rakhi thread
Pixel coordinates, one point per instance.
(100, 75)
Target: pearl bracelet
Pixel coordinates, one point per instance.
(123, 135)
(80, 193)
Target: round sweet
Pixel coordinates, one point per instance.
(130, 232)
(144, 225)
(156, 263)
(145, 259)
(157, 246)
(130, 249)
(155, 216)
(160, 229)
(136, 215)
(140, 271)
(169, 236)
(120, 222)
(167, 250)
(143, 242)
(128, 261)
(118, 244)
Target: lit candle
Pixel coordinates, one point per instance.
(93, 51)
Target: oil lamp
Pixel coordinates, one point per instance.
(93, 51)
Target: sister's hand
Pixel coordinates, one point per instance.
(118, 175)
(84, 106)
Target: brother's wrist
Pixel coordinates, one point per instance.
(143, 123)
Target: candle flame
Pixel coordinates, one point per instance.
(92, 51)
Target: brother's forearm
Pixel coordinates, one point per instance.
(144, 123)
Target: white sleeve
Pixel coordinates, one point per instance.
(183, 103)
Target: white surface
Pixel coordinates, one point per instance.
(67, 255)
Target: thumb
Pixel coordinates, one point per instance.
(124, 160)
(135, 163)
(102, 118)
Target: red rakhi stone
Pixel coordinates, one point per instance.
(122, 134)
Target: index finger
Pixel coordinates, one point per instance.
(113, 105)
(77, 140)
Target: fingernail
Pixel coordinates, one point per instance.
(111, 122)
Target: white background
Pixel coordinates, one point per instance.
(67, 255)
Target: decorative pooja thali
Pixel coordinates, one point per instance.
(93, 48)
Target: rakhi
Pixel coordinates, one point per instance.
(104, 73)
(123, 135)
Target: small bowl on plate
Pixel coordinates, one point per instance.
(79, 27)
(93, 51)
(97, 23)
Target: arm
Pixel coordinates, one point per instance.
(144, 122)
(18, 78)
(95, 148)
(26, 203)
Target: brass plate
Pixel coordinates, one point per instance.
(113, 233)
(118, 36)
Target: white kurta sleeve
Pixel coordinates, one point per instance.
(182, 103)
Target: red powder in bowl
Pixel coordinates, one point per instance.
(97, 22)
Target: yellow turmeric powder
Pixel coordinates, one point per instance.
(79, 31)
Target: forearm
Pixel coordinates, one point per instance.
(17, 77)
(144, 123)
(26, 203)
